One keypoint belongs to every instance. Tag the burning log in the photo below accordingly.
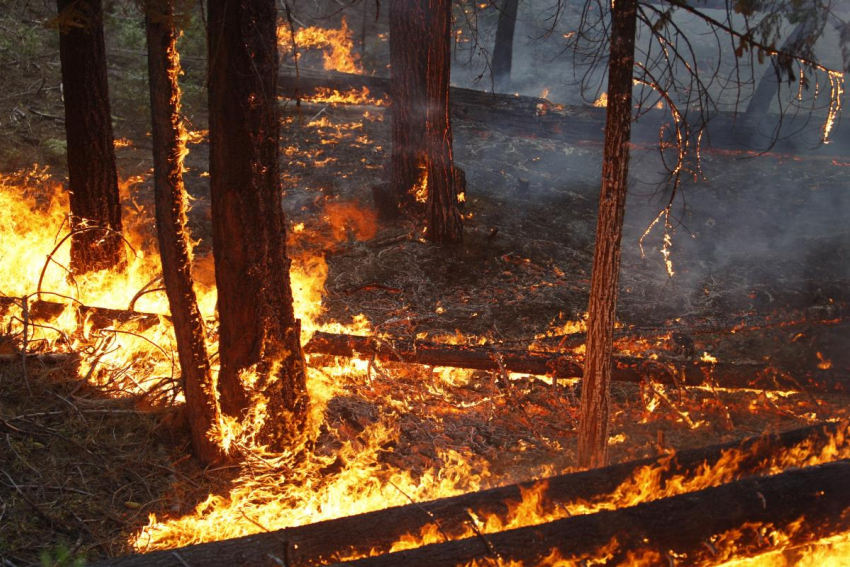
(699, 528)
(627, 368)
(449, 518)
(99, 317)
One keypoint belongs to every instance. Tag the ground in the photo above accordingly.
(83, 469)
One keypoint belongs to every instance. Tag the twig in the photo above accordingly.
(26, 315)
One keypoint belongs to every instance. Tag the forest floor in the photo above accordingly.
(82, 471)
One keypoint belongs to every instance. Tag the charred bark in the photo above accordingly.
(92, 176)
(328, 541)
(443, 224)
(170, 199)
(503, 49)
(657, 532)
(258, 330)
(604, 282)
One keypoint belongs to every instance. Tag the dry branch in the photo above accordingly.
(627, 368)
(328, 541)
(682, 527)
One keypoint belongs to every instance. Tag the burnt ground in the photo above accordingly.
(759, 235)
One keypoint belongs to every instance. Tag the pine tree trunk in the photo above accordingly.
(93, 181)
(258, 330)
(443, 222)
(169, 148)
(504, 47)
(595, 402)
(408, 92)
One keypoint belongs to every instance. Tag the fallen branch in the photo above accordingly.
(376, 532)
(626, 369)
(699, 528)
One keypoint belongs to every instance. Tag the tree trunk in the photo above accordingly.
(92, 177)
(322, 542)
(595, 402)
(169, 149)
(408, 90)
(422, 169)
(504, 47)
(259, 336)
(443, 223)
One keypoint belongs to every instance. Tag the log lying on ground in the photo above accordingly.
(626, 368)
(527, 116)
(99, 317)
(685, 527)
(332, 540)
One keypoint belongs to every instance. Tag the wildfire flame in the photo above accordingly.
(337, 45)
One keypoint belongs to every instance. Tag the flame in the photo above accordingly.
(836, 94)
(420, 190)
(324, 95)
(337, 45)
(825, 363)
(602, 101)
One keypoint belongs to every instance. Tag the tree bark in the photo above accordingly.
(328, 541)
(443, 224)
(258, 334)
(169, 149)
(595, 402)
(92, 176)
(681, 527)
(504, 47)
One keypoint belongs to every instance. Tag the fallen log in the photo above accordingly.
(376, 532)
(527, 116)
(699, 528)
(686, 372)
(99, 317)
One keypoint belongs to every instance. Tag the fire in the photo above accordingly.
(602, 101)
(825, 363)
(337, 46)
(325, 95)
(420, 190)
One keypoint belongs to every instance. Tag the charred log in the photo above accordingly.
(679, 527)
(537, 117)
(325, 542)
(626, 368)
(97, 317)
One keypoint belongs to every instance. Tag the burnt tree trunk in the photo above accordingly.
(258, 330)
(408, 91)
(169, 149)
(92, 177)
(595, 402)
(503, 49)
(443, 223)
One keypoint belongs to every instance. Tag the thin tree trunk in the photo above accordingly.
(92, 177)
(443, 222)
(595, 402)
(169, 149)
(503, 48)
(259, 335)
(408, 90)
